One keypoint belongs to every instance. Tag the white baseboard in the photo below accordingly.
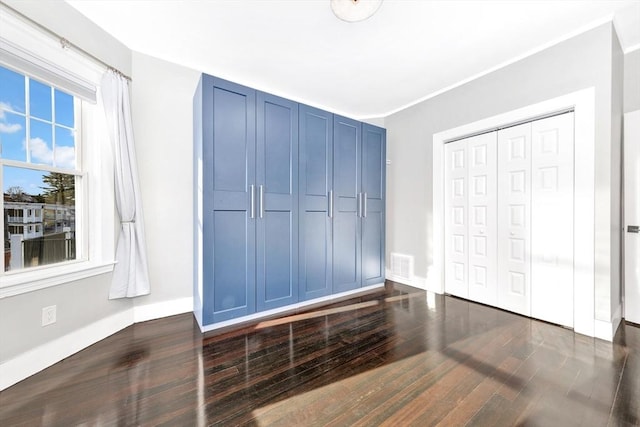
(607, 330)
(41, 357)
(158, 310)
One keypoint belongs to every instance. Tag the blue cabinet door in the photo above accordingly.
(277, 202)
(373, 204)
(315, 184)
(229, 149)
(347, 243)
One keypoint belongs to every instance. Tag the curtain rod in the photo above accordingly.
(64, 43)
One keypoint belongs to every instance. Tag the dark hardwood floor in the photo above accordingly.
(395, 357)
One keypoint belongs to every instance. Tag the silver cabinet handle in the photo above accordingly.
(261, 189)
(330, 203)
(364, 202)
(253, 202)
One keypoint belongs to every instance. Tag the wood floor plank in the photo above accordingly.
(391, 357)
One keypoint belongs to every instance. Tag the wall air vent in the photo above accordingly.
(402, 266)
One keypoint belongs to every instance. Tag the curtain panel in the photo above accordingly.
(130, 275)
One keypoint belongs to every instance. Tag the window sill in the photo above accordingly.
(29, 281)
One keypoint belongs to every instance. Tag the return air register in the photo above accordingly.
(402, 266)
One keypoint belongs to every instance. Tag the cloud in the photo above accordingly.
(6, 127)
(41, 153)
(9, 127)
(66, 157)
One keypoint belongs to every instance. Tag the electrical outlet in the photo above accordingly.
(48, 315)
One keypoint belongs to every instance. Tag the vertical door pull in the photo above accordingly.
(330, 203)
(364, 202)
(261, 189)
(252, 212)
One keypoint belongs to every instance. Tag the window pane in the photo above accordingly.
(39, 100)
(11, 90)
(65, 155)
(64, 108)
(39, 210)
(13, 133)
(40, 143)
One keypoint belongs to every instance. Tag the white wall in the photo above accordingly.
(578, 63)
(632, 81)
(162, 110)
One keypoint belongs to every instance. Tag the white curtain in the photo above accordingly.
(130, 275)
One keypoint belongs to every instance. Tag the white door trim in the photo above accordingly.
(583, 103)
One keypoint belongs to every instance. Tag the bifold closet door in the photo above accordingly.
(482, 229)
(535, 217)
(514, 219)
(456, 223)
(470, 219)
(509, 225)
(552, 222)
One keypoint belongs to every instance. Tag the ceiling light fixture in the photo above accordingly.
(355, 10)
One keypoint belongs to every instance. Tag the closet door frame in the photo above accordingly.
(582, 102)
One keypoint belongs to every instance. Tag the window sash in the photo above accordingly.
(80, 209)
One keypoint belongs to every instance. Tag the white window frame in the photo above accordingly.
(95, 208)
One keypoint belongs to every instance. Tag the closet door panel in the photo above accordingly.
(514, 219)
(276, 202)
(373, 206)
(229, 151)
(316, 181)
(482, 221)
(456, 219)
(552, 219)
(346, 200)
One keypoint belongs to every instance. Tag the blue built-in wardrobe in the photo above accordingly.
(288, 204)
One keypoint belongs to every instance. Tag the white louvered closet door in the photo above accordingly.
(456, 219)
(482, 230)
(514, 219)
(552, 219)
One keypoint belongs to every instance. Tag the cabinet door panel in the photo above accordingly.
(373, 190)
(373, 248)
(276, 202)
(315, 277)
(315, 154)
(229, 149)
(233, 264)
(347, 243)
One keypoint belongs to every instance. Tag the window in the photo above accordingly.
(55, 150)
(41, 170)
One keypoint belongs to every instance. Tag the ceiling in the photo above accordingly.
(408, 51)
